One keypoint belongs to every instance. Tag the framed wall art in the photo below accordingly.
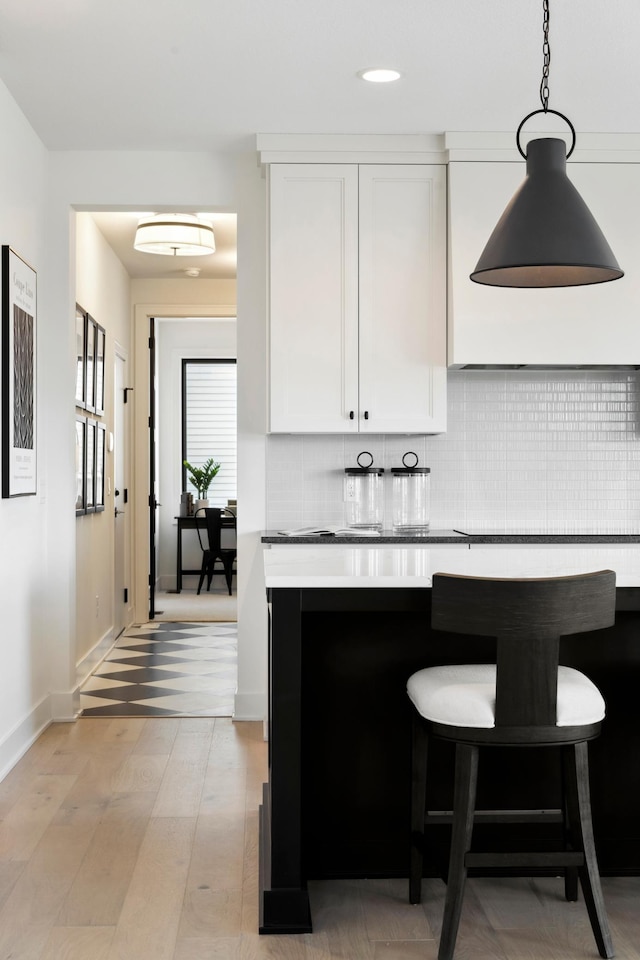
(81, 465)
(99, 369)
(90, 373)
(81, 349)
(101, 446)
(90, 473)
(19, 324)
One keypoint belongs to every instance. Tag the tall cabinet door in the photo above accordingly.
(313, 298)
(402, 299)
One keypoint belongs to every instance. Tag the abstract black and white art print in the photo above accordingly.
(19, 319)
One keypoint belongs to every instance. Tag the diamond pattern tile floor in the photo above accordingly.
(166, 670)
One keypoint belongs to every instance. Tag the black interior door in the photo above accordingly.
(152, 469)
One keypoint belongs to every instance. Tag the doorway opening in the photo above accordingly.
(194, 374)
(184, 667)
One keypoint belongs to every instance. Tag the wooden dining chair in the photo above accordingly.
(524, 699)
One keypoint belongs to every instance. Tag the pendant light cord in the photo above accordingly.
(546, 57)
(544, 87)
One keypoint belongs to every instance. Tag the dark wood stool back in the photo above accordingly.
(527, 618)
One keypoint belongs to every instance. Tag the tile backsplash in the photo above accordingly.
(555, 450)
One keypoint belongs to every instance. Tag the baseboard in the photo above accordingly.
(86, 666)
(65, 707)
(24, 735)
(249, 706)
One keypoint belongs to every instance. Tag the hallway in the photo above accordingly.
(136, 839)
(159, 669)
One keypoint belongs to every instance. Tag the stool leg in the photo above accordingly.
(570, 873)
(419, 747)
(579, 803)
(464, 801)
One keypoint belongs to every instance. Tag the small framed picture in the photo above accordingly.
(90, 459)
(81, 465)
(101, 446)
(99, 365)
(90, 366)
(19, 323)
(81, 349)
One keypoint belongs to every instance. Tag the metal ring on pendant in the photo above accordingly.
(557, 114)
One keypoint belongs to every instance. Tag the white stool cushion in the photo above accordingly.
(464, 695)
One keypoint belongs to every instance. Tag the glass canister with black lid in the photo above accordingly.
(411, 496)
(364, 494)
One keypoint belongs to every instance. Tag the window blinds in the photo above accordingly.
(209, 423)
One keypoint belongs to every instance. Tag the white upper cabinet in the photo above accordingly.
(313, 278)
(357, 298)
(402, 332)
(596, 324)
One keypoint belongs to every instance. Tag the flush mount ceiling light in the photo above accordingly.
(547, 236)
(379, 75)
(175, 235)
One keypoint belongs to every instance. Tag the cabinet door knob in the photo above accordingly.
(351, 414)
(366, 414)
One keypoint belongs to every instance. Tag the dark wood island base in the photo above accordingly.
(337, 801)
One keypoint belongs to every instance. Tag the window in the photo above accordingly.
(209, 424)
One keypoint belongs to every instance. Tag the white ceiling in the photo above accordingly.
(210, 74)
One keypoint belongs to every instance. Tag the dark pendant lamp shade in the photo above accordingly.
(547, 236)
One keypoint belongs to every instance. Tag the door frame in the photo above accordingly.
(121, 354)
(142, 313)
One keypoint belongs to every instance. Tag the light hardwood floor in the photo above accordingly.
(136, 839)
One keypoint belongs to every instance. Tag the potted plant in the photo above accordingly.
(201, 478)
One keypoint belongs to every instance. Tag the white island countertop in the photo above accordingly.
(413, 566)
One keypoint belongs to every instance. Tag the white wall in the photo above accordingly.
(103, 290)
(177, 340)
(25, 560)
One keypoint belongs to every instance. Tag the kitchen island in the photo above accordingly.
(348, 625)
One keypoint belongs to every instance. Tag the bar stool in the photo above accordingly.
(525, 699)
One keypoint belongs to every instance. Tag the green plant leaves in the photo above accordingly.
(201, 477)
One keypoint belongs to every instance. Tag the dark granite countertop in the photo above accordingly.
(459, 536)
(386, 537)
(537, 535)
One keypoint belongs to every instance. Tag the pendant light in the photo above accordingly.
(547, 236)
(175, 235)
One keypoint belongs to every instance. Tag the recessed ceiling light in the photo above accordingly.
(379, 75)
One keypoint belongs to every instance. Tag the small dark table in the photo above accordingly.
(190, 523)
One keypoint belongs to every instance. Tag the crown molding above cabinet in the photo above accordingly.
(434, 147)
(350, 148)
